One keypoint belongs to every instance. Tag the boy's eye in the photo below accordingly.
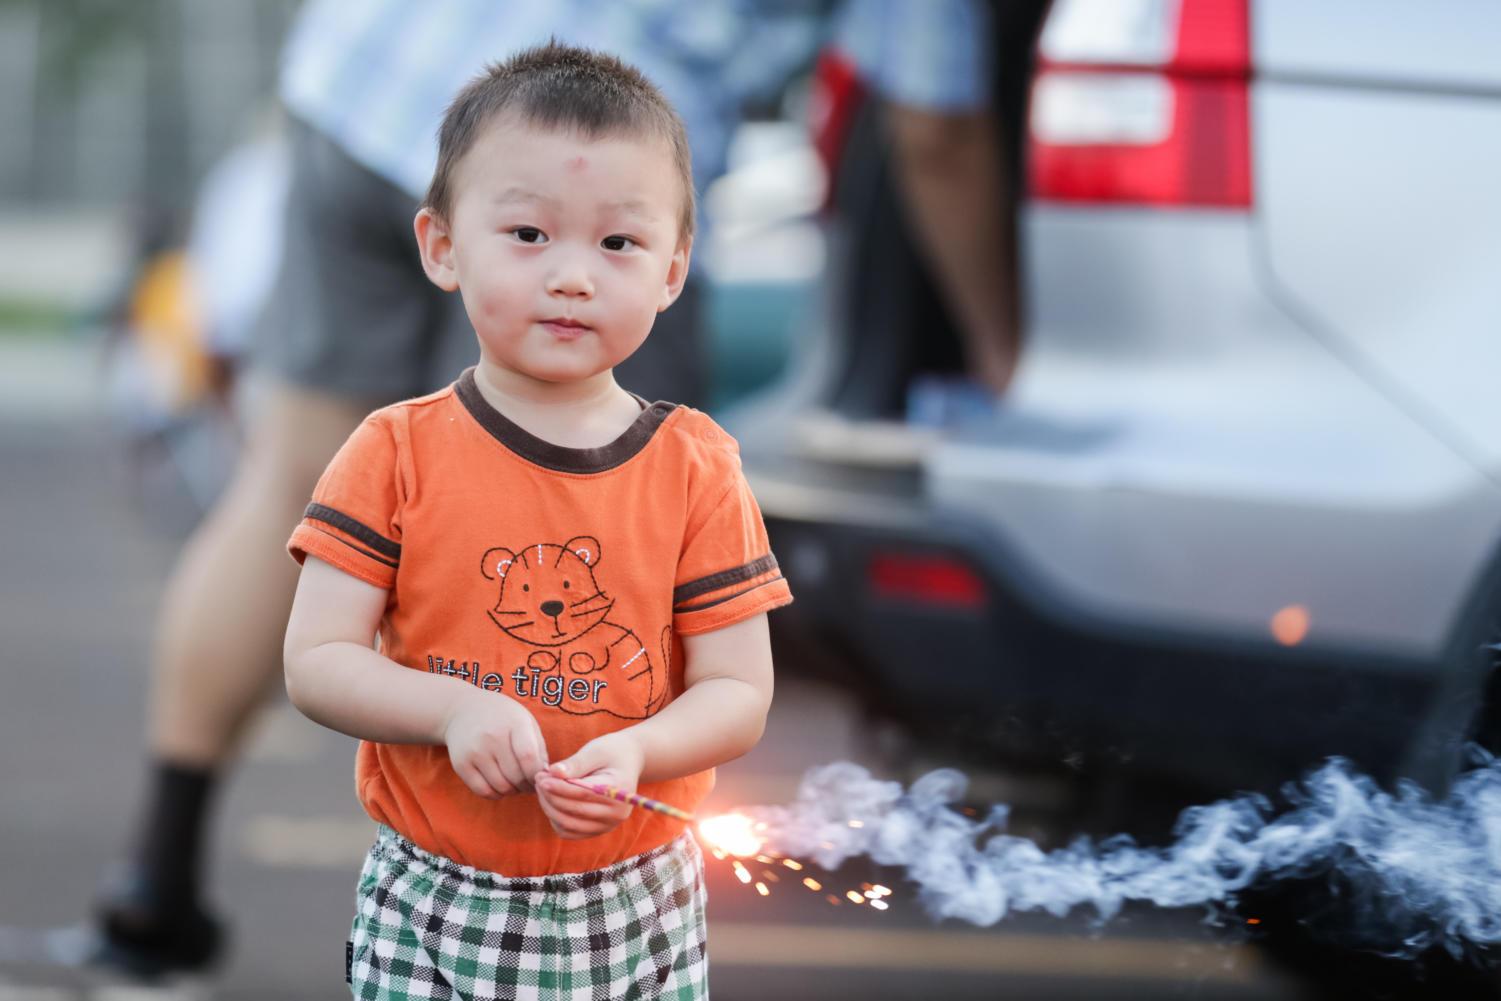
(616, 242)
(529, 234)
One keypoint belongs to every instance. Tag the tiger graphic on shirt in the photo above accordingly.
(552, 603)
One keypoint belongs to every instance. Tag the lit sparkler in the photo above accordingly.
(733, 836)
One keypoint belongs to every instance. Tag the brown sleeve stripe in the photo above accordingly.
(364, 552)
(728, 597)
(724, 578)
(349, 526)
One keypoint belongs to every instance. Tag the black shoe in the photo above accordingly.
(141, 938)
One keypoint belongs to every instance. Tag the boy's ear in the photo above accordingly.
(677, 274)
(437, 249)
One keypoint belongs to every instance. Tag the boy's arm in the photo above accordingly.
(722, 713)
(720, 716)
(335, 678)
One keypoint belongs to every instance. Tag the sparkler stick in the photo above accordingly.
(634, 799)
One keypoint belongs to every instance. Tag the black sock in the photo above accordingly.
(169, 852)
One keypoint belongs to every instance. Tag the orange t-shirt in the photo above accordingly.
(559, 577)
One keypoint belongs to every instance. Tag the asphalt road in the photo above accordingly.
(82, 561)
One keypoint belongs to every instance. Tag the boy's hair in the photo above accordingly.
(556, 86)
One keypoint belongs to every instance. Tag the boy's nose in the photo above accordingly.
(552, 608)
(570, 279)
(571, 290)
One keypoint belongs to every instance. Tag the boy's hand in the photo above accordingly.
(614, 759)
(494, 744)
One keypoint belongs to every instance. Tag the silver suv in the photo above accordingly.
(1242, 510)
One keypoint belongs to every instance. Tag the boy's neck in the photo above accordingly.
(584, 414)
(503, 388)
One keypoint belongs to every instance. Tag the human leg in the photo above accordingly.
(218, 658)
(225, 608)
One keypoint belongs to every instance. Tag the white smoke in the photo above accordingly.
(1428, 872)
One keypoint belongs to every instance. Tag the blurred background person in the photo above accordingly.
(351, 323)
(182, 322)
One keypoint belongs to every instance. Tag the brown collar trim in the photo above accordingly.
(559, 457)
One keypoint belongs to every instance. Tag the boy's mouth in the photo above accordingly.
(564, 326)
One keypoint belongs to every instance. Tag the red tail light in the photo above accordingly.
(836, 92)
(926, 579)
(1143, 102)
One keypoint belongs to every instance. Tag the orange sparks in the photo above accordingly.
(792, 864)
(741, 873)
(833, 900)
(762, 888)
(854, 897)
(1253, 921)
(770, 876)
(812, 884)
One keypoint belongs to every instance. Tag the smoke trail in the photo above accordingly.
(1426, 872)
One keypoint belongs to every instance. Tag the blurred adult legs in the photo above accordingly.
(225, 608)
(218, 657)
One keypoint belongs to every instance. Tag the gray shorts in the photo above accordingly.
(352, 313)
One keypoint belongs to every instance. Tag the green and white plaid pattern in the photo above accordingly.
(427, 927)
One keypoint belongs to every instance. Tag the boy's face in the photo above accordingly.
(564, 248)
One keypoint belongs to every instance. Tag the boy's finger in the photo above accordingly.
(587, 811)
(589, 758)
(561, 799)
(508, 766)
(471, 780)
(494, 775)
(577, 829)
(474, 780)
(563, 789)
(527, 748)
(561, 826)
(567, 792)
(567, 822)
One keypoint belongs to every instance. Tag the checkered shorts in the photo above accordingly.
(427, 927)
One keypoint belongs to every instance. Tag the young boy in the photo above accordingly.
(567, 582)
